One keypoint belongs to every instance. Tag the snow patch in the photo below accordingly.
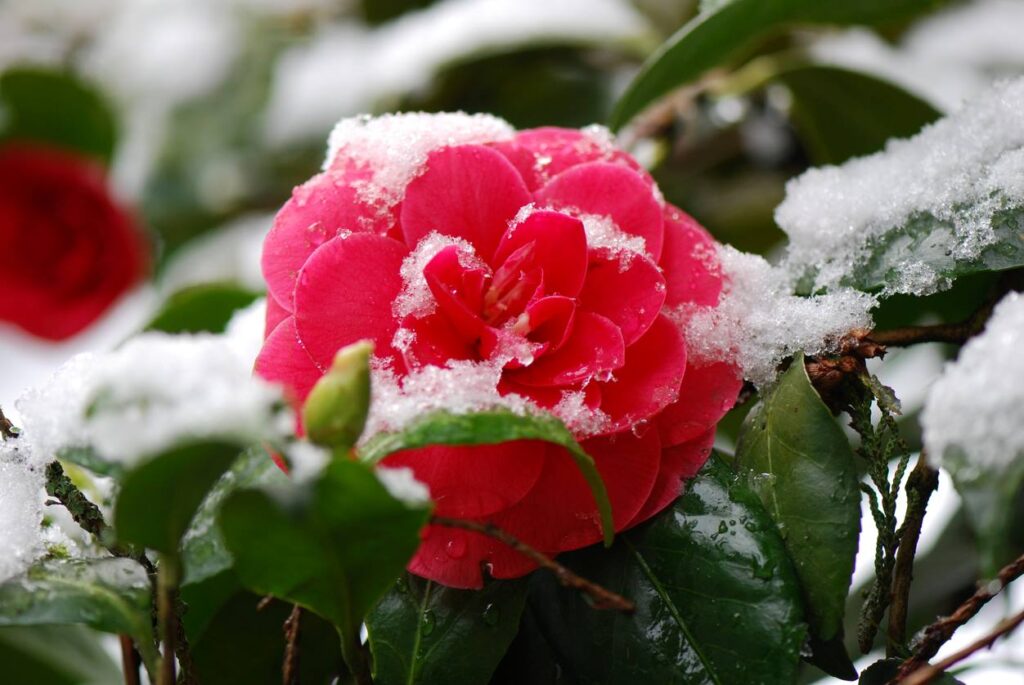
(401, 484)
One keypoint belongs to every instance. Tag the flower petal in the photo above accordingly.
(610, 190)
(470, 481)
(275, 315)
(283, 360)
(594, 348)
(431, 340)
(707, 393)
(650, 379)
(467, 191)
(344, 294)
(678, 463)
(560, 513)
(689, 261)
(560, 249)
(630, 294)
(318, 211)
(457, 558)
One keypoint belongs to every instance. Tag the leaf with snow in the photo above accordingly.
(972, 426)
(912, 218)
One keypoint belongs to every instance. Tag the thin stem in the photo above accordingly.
(181, 646)
(7, 429)
(290, 667)
(129, 660)
(928, 672)
(88, 516)
(167, 617)
(601, 597)
(938, 633)
(923, 481)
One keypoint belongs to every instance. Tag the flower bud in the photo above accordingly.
(335, 411)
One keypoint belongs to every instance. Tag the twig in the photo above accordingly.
(167, 619)
(181, 646)
(87, 515)
(290, 667)
(7, 429)
(955, 333)
(928, 672)
(923, 481)
(129, 660)
(938, 633)
(601, 597)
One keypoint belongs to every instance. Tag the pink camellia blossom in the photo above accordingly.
(543, 260)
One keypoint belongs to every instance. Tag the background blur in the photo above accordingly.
(207, 113)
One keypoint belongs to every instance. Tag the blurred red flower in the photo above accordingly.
(67, 249)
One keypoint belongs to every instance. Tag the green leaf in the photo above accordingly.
(928, 240)
(728, 28)
(111, 595)
(333, 546)
(243, 645)
(159, 497)
(203, 307)
(204, 554)
(55, 655)
(489, 428)
(795, 456)
(57, 108)
(717, 598)
(988, 496)
(842, 114)
(422, 632)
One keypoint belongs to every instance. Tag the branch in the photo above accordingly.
(129, 660)
(7, 429)
(601, 597)
(938, 633)
(927, 672)
(290, 667)
(88, 516)
(923, 481)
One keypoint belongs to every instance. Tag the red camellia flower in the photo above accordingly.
(67, 250)
(541, 263)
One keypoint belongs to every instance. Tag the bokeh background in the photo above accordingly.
(205, 114)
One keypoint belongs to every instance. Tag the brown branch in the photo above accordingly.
(129, 660)
(290, 667)
(601, 597)
(7, 429)
(938, 633)
(928, 672)
(167, 619)
(923, 481)
(955, 333)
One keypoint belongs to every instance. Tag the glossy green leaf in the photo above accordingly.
(55, 108)
(423, 632)
(842, 114)
(489, 428)
(795, 456)
(243, 645)
(204, 307)
(111, 595)
(55, 655)
(717, 35)
(717, 598)
(989, 497)
(204, 554)
(159, 497)
(334, 545)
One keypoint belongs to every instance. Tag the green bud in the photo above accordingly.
(335, 411)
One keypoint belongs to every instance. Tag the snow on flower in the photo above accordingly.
(401, 484)
(21, 509)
